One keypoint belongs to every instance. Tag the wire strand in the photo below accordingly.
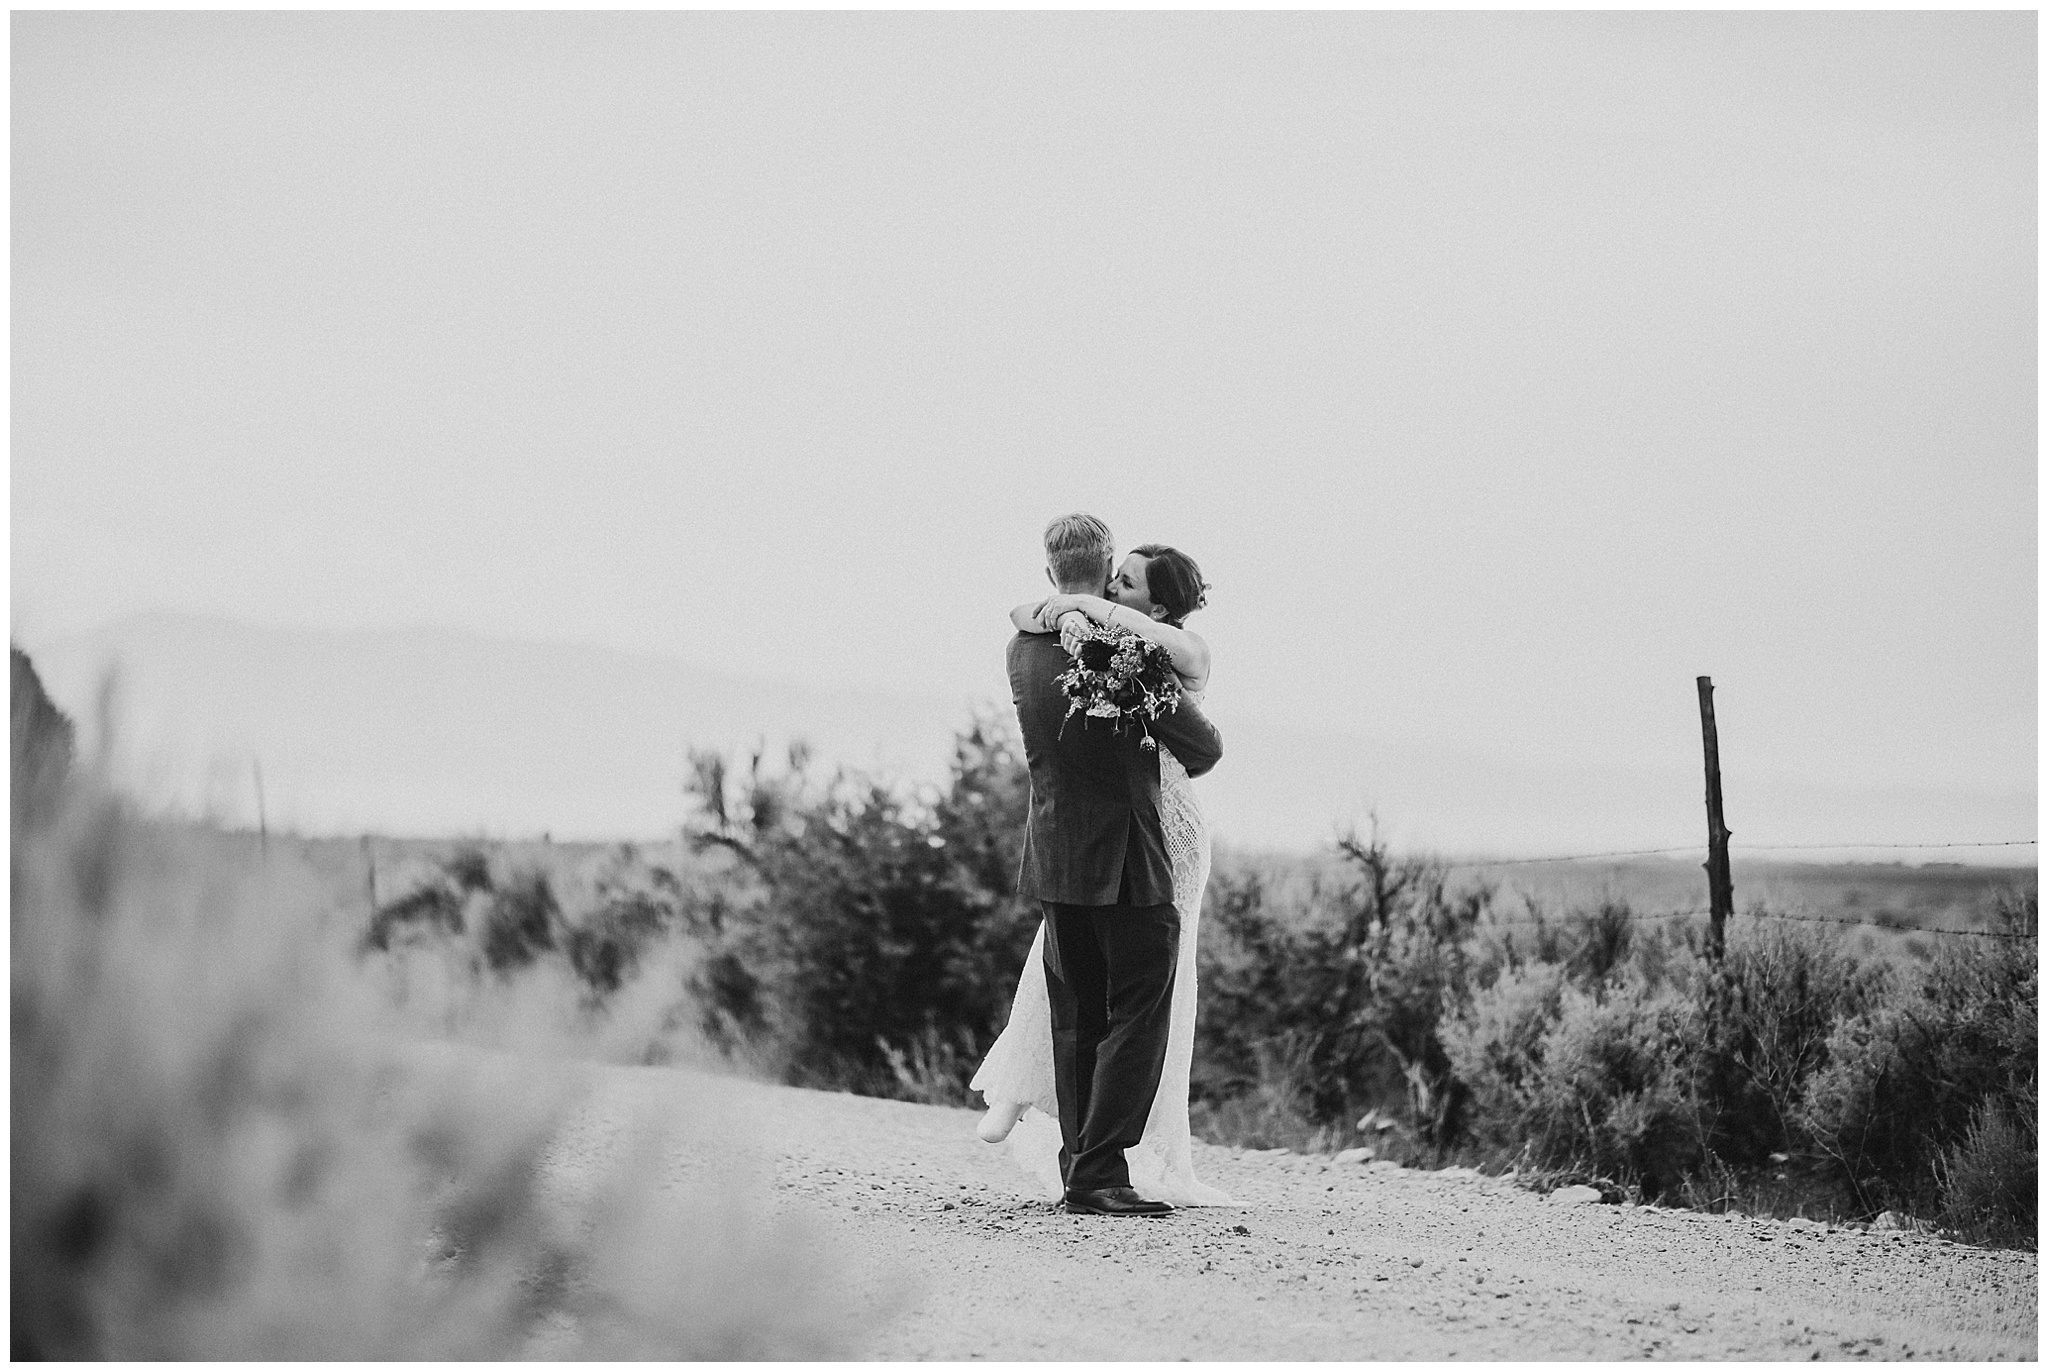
(1757, 847)
(1896, 928)
(1574, 857)
(1795, 919)
(1633, 915)
(1988, 843)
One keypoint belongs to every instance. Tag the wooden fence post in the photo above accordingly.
(1720, 888)
(370, 861)
(262, 821)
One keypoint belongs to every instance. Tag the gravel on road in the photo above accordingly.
(946, 1252)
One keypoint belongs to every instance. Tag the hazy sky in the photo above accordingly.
(1503, 371)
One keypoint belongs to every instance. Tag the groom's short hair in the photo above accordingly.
(1078, 549)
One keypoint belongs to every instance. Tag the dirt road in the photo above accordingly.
(940, 1242)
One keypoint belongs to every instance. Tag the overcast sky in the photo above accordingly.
(1503, 371)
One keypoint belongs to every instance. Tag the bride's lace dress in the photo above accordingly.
(1019, 1065)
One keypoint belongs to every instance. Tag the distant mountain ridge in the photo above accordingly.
(431, 732)
(424, 731)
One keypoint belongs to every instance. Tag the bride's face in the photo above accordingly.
(1129, 587)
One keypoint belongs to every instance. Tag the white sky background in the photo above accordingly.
(1504, 372)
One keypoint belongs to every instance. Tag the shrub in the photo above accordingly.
(1601, 945)
(879, 940)
(932, 1069)
(468, 869)
(1496, 1046)
(428, 914)
(1273, 1109)
(519, 923)
(515, 921)
(605, 947)
(642, 972)
(1907, 1077)
(734, 1009)
(1763, 1014)
(1589, 946)
(1987, 1181)
(1607, 1092)
(1343, 993)
(43, 743)
(435, 910)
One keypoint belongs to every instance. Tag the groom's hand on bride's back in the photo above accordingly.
(1192, 737)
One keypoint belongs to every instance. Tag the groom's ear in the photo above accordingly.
(1053, 579)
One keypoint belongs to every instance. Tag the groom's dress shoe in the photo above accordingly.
(1113, 1200)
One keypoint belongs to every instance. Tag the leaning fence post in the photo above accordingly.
(1720, 888)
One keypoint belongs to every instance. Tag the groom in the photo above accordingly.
(1095, 859)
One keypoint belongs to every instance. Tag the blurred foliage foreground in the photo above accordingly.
(219, 1150)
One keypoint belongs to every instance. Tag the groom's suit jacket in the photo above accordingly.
(1094, 817)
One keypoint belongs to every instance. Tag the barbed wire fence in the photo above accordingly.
(1894, 926)
(1756, 847)
(1720, 840)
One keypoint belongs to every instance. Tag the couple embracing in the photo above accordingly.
(1089, 1080)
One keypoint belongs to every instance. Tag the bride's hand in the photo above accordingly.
(1094, 606)
(1054, 608)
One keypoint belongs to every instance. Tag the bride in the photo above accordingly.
(1152, 595)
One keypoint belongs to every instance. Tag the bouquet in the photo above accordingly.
(1120, 677)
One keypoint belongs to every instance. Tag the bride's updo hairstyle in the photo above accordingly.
(1173, 581)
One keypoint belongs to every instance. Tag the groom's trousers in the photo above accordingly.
(1109, 975)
